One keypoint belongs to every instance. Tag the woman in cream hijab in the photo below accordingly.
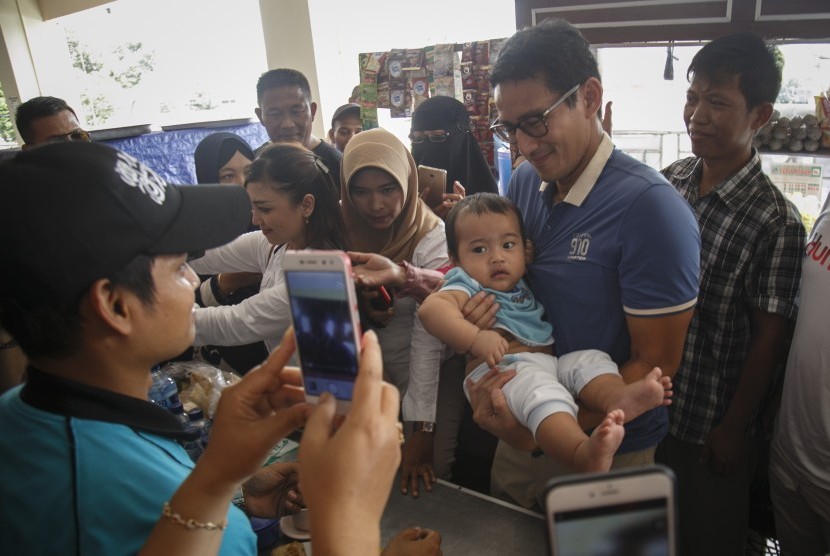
(383, 214)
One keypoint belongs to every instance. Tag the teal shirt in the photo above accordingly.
(73, 485)
(518, 311)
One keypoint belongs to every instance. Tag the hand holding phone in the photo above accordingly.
(436, 180)
(627, 511)
(326, 322)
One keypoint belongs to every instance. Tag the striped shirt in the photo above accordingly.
(752, 241)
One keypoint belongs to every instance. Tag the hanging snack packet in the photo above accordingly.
(419, 87)
(383, 95)
(468, 78)
(467, 50)
(373, 61)
(397, 99)
(395, 64)
(481, 53)
(413, 59)
(443, 58)
(470, 102)
(443, 86)
(429, 63)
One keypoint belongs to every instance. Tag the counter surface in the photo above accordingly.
(469, 522)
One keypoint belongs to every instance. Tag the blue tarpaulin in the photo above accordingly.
(170, 153)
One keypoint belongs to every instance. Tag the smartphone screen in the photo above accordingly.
(324, 331)
(640, 527)
(625, 511)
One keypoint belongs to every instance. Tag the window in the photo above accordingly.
(648, 112)
(154, 61)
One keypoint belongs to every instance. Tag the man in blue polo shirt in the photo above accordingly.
(616, 248)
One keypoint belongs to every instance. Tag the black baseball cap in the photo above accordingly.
(73, 213)
(344, 111)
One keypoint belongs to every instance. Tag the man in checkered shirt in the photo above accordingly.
(752, 242)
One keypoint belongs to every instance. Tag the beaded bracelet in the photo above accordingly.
(192, 523)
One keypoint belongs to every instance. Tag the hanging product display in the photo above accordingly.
(401, 79)
(371, 64)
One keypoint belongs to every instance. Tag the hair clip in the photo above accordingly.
(321, 165)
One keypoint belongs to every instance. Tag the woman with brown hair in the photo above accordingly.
(295, 206)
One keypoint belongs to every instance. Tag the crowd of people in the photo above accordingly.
(601, 315)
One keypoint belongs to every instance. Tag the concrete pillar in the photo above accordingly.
(289, 43)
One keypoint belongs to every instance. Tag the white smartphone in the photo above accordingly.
(629, 511)
(436, 180)
(326, 322)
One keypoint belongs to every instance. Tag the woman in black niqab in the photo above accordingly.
(460, 154)
(215, 152)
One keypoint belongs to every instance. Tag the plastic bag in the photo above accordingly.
(200, 383)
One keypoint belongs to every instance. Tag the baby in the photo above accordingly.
(485, 238)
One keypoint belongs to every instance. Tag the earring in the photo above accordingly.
(306, 219)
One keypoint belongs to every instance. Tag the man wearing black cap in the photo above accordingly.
(96, 291)
(345, 124)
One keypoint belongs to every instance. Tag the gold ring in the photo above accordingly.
(399, 429)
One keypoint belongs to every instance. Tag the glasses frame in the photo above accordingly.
(507, 131)
(432, 138)
(77, 136)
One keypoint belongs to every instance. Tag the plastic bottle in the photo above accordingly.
(197, 419)
(163, 391)
(192, 447)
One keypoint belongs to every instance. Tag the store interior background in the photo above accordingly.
(173, 62)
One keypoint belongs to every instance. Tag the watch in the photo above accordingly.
(423, 426)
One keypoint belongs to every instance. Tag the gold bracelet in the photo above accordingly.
(192, 523)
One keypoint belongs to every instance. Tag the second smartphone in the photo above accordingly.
(627, 511)
(326, 322)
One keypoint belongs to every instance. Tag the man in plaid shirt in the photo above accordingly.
(752, 242)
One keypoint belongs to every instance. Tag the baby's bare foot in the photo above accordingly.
(597, 452)
(654, 390)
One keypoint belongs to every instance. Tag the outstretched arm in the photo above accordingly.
(252, 416)
(372, 269)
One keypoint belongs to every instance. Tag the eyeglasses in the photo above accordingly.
(419, 137)
(534, 126)
(79, 135)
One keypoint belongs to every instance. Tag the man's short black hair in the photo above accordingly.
(554, 51)
(477, 205)
(283, 77)
(34, 109)
(743, 54)
(54, 329)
